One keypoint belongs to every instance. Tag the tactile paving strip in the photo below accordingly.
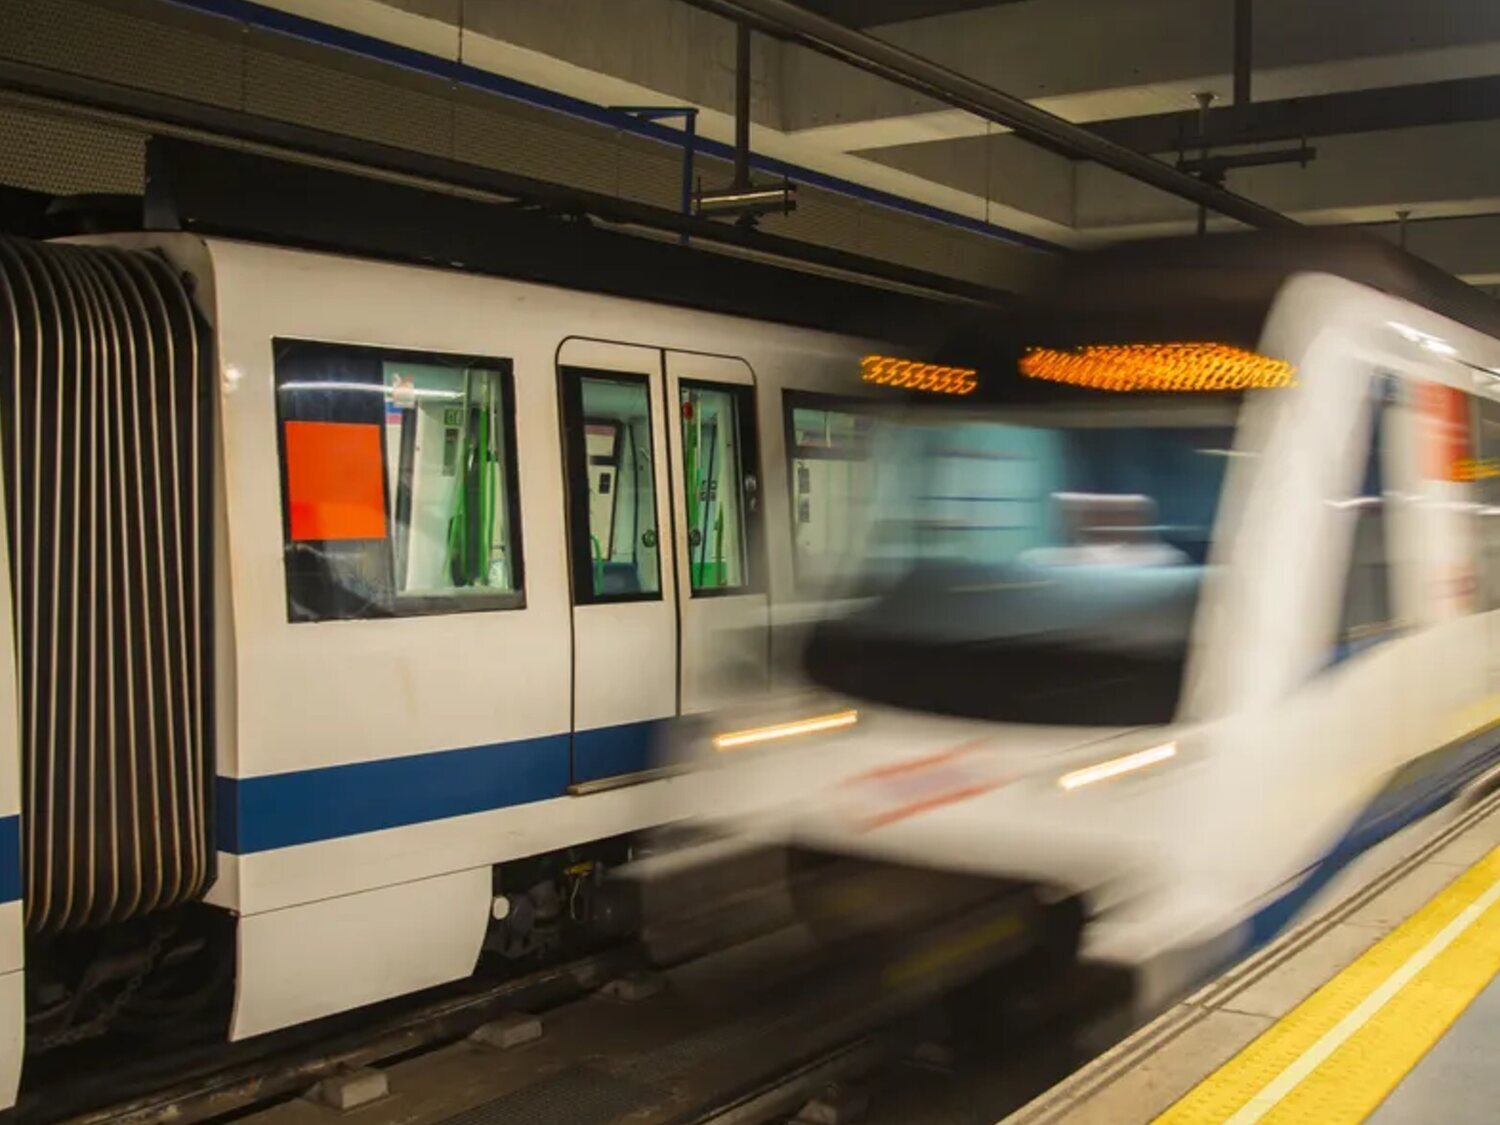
(1337, 1055)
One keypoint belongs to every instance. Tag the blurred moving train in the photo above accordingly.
(1213, 605)
(347, 594)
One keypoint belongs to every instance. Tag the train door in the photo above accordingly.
(624, 576)
(723, 602)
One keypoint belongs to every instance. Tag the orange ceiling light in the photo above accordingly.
(1158, 367)
(908, 374)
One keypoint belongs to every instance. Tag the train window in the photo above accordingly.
(1367, 614)
(611, 487)
(1487, 484)
(832, 480)
(718, 457)
(398, 482)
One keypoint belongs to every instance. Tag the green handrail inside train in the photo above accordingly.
(706, 572)
(471, 530)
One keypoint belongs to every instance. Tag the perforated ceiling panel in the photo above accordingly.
(165, 48)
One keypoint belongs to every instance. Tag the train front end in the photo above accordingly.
(1011, 705)
(1026, 699)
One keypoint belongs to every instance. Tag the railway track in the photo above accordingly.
(749, 1035)
(230, 1079)
(749, 1032)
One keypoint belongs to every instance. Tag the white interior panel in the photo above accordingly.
(309, 961)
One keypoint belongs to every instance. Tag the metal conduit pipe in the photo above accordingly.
(742, 106)
(1244, 30)
(808, 29)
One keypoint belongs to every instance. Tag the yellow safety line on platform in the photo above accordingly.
(1335, 1057)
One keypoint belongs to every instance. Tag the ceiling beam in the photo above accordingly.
(159, 114)
(1466, 246)
(874, 13)
(1324, 115)
(875, 56)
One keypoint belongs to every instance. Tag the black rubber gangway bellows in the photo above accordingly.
(106, 436)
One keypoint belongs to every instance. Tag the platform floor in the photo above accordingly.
(1383, 1007)
(1459, 1076)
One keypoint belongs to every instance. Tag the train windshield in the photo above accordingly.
(1035, 569)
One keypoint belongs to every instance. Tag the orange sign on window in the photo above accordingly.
(334, 481)
(1445, 413)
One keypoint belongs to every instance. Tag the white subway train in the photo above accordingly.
(347, 596)
(1170, 654)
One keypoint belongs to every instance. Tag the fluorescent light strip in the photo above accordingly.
(735, 740)
(370, 388)
(1115, 767)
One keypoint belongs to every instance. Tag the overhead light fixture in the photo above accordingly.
(780, 199)
(369, 388)
(910, 375)
(1173, 367)
(739, 739)
(1118, 767)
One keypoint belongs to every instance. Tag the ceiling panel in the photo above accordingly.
(869, 13)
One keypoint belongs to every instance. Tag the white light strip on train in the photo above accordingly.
(1115, 767)
(736, 740)
(370, 388)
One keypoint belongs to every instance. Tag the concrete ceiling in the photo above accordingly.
(1401, 100)
(872, 13)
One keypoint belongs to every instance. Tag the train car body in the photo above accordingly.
(1176, 656)
(349, 597)
(375, 768)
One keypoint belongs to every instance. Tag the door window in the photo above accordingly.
(611, 487)
(1485, 473)
(832, 479)
(720, 484)
(398, 482)
(1368, 602)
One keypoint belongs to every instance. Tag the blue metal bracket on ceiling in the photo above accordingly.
(459, 73)
(689, 115)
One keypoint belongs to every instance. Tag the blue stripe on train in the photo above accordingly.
(612, 751)
(1417, 789)
(10, 858)
(256, 814)
(280, 810)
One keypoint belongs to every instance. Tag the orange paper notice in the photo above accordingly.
(334, 483)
